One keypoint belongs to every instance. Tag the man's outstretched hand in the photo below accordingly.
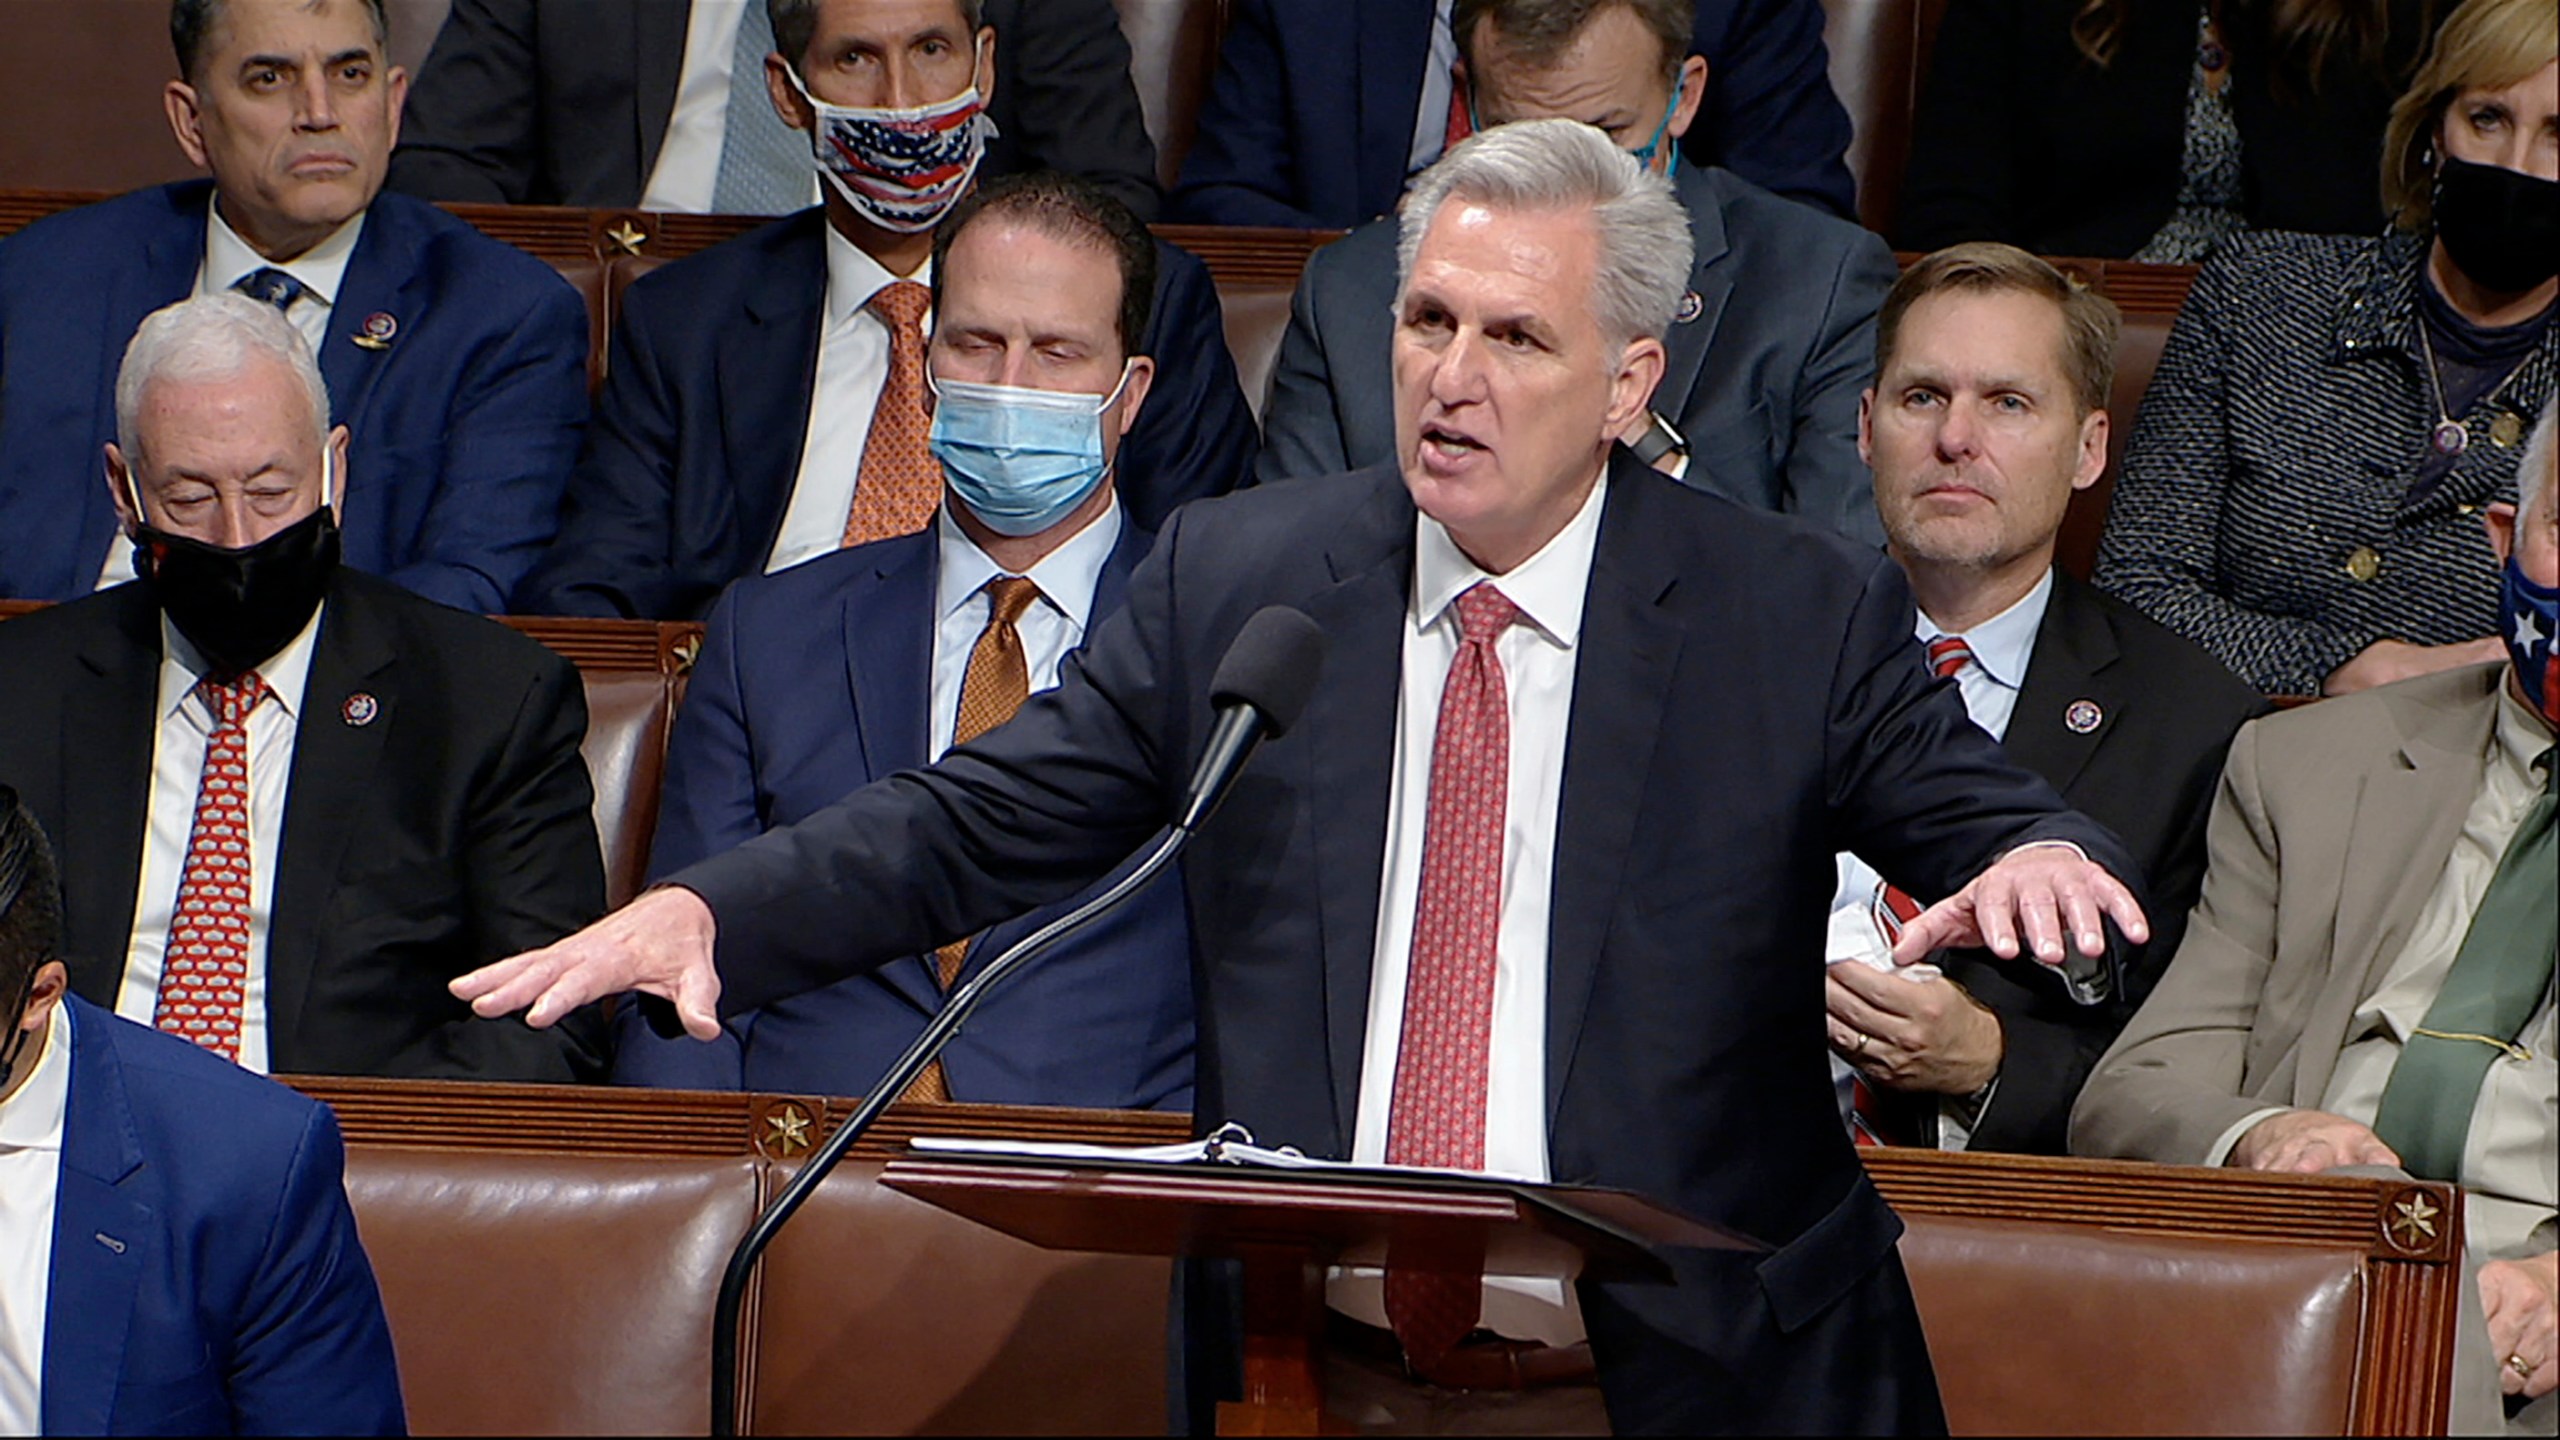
(659, 944)
(2036, 899)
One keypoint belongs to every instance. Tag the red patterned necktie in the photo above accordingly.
(204, 968)
(1442, 1058)
(899, 481)
(1870, 1122)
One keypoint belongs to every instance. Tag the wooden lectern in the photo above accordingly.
(1286, 1226)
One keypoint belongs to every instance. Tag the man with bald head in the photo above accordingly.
(290, 799)
(1533, 887)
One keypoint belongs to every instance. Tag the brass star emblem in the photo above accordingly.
(2413, 1221)
(787, 1130)
(627, 237)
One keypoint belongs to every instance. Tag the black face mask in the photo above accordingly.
(2501, 227)
(239, 607)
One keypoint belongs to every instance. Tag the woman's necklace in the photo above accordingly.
(2450, 437)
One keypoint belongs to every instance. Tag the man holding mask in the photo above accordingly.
(766, 399)
(406, 778)
(819, 679)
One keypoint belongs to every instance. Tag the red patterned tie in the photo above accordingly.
(1437, 1116)
(1870, 1122)
(899, 481)
(204, 968)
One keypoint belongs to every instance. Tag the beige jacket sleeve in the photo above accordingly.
(2171, 1085)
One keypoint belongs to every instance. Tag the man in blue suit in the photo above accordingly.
(819, 679)
(176, 1252)
(1324, 110)
(1771, 345)
(459, 362)
(760, 393)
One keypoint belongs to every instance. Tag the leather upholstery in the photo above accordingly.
(2135, 1334)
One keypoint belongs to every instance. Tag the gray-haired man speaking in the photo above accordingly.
(1536, 885)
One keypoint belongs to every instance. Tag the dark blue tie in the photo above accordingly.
(273, 286)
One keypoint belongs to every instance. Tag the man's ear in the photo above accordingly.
(2094, 428)
(1640, 369)
(186, 121)
(123, 490)
(1133, 394)
(783, 88)
(986, 76)
(2499, 519)
(1867, 426)
(1693, 93)
(335, 496)
(398, 80)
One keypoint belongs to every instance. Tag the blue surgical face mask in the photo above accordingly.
(1020, 459)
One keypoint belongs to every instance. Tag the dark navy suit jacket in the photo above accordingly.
(1311, 117)
(1762, 374)
(1686, 1057)
(696, 443)
(812, 683)
(464, 427)
(207, 1277)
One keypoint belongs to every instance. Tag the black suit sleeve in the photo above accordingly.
(1195, 436)
(610, 559)
(1770, 113)
(1962, 180)
(471, 130)
(533, 871)
(1064, 100)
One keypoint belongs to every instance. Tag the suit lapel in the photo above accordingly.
(382, 279)
(1695, 327)
(2074, 648)
(333, 766)
(1351, 729)
(1394, 46)
(655, 32)
(109, 735)
(888, 656)
(768, 370)
(1621, 685)
(2408, 813)
(101, 1241)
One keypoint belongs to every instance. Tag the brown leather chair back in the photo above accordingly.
(960, 1328)
(2150, 297)
(1872, 43)
(1173, 55)
(550, 1294)
(2034, 1338)
(634, 675)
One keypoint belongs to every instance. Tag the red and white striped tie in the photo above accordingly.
(204, 967)
(1443, 1057)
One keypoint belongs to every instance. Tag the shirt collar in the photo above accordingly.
(32, 1118)
(1066, 576)
(287, 672)
(322, 268)
(2003, 644)
(853, 277)
(2521, 737)
(1548, 587)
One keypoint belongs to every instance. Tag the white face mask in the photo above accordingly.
(902, 170)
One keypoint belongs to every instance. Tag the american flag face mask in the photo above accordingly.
(901, 169)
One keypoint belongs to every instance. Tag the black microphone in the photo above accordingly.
(1261, 688)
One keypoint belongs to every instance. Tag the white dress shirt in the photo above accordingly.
(227, 259)
(30, 1178)
(1431, 116)
(1053, 625)
(2002, 646)
(185, 725)
(688, 168)
(853, 363)
(1537, 658)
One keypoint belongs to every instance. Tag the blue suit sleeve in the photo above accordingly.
(313, 1355)
(509, 444)
(611, 557)
(1238, 171)
(706, 806)
(1826, 482)
(1770, 114)
(1195, 436)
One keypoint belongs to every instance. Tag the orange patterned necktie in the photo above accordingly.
(1443, 1060)
(997, 682)
(204, 967)
(900, 482)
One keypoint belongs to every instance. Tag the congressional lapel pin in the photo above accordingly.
(2083, 716)
(1692, 305)
(360, 709)
(378, 329)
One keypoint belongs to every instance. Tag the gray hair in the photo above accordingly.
(214, 337)
(795, 24)
(2533, 472)
(1645, 249)
(192, 23)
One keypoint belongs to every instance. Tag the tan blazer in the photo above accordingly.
(2332, 827)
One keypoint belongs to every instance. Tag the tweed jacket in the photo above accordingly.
(2265, 510)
